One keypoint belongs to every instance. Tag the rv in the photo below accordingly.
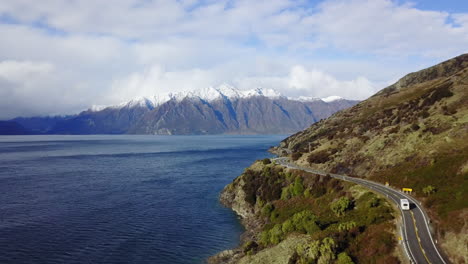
(404, 203)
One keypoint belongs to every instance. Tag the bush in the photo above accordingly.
(272, 236)
(250, 247)
(266, 161)
(319, 157)
(296, 155)
(305, 222)
(265, 186)
(267, 209)
(320, 252)
(346, 226)
(343, 258)
(428, 190)
(374, 202)
(298, 188)
(415, 127)
(293, 190)
(340, 206)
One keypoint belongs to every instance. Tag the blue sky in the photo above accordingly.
(60, 56)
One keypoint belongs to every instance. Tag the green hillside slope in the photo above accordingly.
(412, 134)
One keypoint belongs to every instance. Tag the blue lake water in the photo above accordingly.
(120, 199)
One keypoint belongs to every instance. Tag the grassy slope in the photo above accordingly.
(293, 211)
(411, 134)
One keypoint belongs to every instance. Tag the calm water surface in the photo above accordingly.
(119, 199)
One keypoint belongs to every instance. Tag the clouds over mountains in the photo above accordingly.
(62, 56)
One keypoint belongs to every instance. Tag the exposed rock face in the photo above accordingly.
(256, 114)
(253, 115)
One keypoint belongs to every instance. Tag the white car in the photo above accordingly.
(404, 203)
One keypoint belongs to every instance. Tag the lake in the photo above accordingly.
(120, 198)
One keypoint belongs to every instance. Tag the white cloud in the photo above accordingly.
(81, 53)
(19, 81)
(320, 84)
(156, 80)
(385, 27)
(16, 71)
(298, 81)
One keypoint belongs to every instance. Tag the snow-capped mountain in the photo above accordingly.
(213, 110)
(210, 94)
(207, 94)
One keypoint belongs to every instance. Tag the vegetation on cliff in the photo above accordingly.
(310, 218)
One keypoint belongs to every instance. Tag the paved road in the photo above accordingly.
(419, 244)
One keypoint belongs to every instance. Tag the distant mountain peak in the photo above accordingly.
(209, 94)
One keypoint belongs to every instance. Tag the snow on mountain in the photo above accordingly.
(332, 98)
(305, 99)
(97, 108)
(224, 91)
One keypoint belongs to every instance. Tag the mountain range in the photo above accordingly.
(214, 110)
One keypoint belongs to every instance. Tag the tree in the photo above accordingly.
(340, 206)
(298, 188)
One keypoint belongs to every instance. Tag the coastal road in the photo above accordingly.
(419, 245)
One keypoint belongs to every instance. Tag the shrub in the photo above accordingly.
(287, 226)
(298, 188)
(319, 157)
(428, 190)
(343, 258)
(346, 226)
(340, 206)
(296, 155)
(415, 127)
(305, 222)
(266, 161)
(267, 209)
(425, 114)
(374, 202)
(276, 234)
(272, 236)
(322, 252)
(292, 190)
(440, 92)
(250, 247)
(309, 252)
(265, 186)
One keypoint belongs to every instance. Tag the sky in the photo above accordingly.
(63, 56)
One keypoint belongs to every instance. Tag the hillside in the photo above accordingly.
(294, 217)
(12, 128)
(411, 134)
